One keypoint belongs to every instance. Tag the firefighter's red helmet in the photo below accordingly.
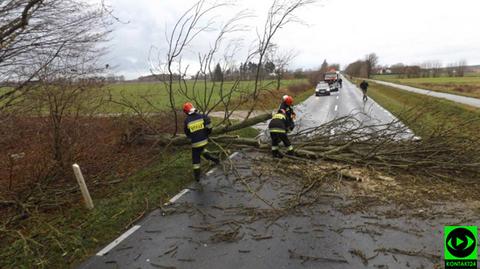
(188, 108)
(288, 100)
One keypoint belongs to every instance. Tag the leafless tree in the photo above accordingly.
(357, 69)
(281, 60)
(451, 69)
(186, 29)
(201, 89)
(426, 69)
(280, 14)
(35, 33)
(371, 61)
(437, 68)
(61, 99)
(50, 53)
(461, 67)
(397, 68)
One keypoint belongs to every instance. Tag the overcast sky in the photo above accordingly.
(341, 31)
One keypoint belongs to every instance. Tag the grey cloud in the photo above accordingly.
(342, 31)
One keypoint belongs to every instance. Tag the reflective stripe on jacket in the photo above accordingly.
(278, 124)
(197, 127)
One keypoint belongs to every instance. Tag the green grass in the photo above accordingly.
(466, 86)
(157, 94)
(71, 234)
(303, 96)
(153, 96)
(426, 115)
(385, 77)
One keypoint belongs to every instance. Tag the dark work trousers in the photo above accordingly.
(280, 137)
(197, 153)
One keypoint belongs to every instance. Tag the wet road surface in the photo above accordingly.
(239, 220)
(348, 101)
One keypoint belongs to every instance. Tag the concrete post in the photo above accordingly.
(83, 186)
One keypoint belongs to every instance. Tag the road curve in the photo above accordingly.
(475, 102)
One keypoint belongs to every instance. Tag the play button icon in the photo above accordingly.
(461, 242)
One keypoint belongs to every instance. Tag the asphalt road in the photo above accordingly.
(234, 223)
(230, 222)
(348, 101)
(475, 102)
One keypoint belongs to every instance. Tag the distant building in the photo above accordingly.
(473, 69)
(383, 71)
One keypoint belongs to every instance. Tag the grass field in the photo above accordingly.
(466, 86)
(156, 93)
(425, 114)
(57, 239)
(153, 96)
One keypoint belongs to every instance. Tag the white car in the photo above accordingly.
(322, 89)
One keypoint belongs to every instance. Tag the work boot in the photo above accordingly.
(197, 173)
(277, 154)
(208, 156)
(290, 153)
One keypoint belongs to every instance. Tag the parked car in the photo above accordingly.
(322, 89)
(334, 86)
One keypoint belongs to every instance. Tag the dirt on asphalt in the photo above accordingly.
(260, 212)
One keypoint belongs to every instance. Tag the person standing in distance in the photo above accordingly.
(364, 87)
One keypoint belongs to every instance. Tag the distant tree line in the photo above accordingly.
(317, 75)
(363, 68)
(369, 66)
(428, 69)
(244, 71)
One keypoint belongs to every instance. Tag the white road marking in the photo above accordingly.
(337, 97)
(118, 240)
(176, 197)
(336, 107)
(211, 171)
(233, 155)
(215, 169)
(184, 191)
(136, 227)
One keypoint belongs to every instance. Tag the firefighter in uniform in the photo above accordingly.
(278, 133)
(198, 127)
(286, 105)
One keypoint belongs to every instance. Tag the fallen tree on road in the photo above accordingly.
(389, 147)
(166, 139)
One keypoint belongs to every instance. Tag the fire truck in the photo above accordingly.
(331, 77)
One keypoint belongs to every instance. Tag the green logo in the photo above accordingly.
(460, 247)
